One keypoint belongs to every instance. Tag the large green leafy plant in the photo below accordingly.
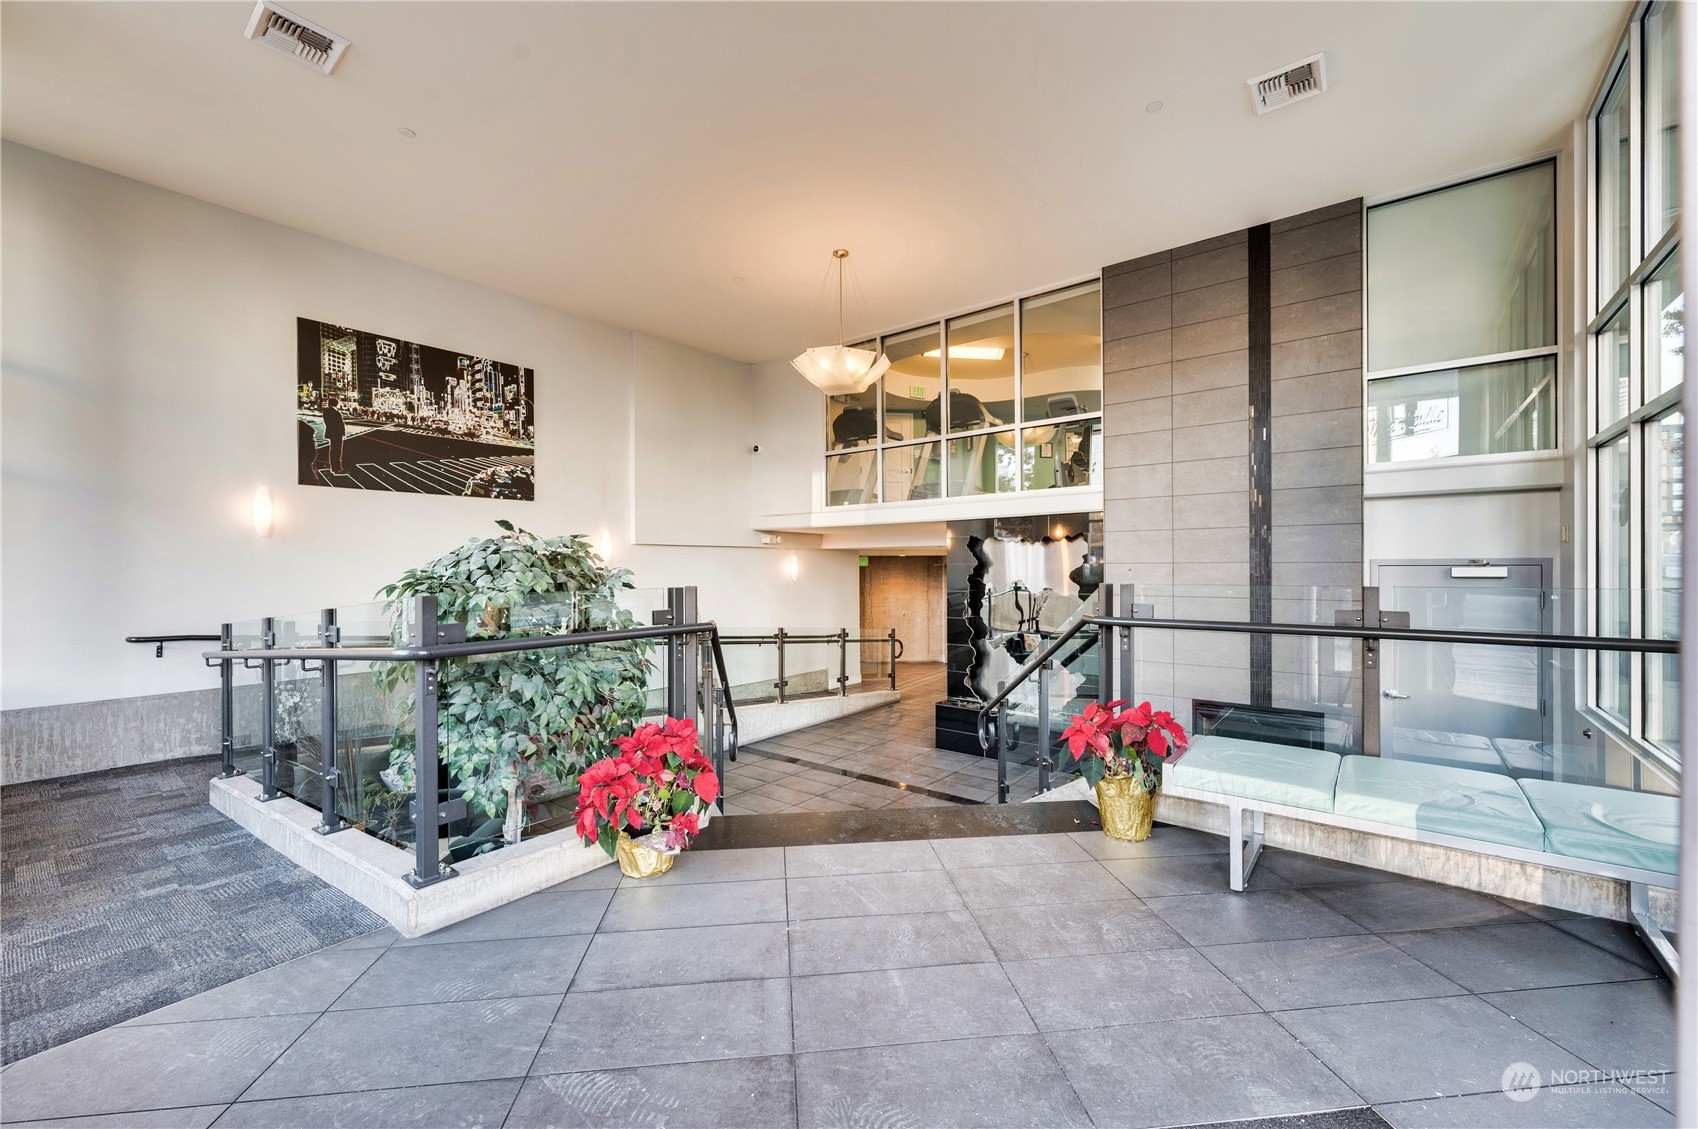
(514, 724)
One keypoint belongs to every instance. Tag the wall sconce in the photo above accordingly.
(262, 512)
(604, 545)
(793, 566)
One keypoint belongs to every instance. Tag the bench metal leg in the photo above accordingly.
(1639, 904)
(1244, 854)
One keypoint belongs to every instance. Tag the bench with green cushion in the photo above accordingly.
(1446, 801)
(1612, 825)
(1257, 770)
(1575, 826)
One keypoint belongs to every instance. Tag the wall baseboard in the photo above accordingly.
(44, 742)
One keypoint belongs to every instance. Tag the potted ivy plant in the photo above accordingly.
(645, 805)
(1120, 750)
(519, 728)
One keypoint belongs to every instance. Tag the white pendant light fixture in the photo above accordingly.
(838, 370)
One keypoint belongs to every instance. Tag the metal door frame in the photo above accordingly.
(1546, 567)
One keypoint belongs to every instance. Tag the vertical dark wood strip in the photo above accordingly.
(1261, 461)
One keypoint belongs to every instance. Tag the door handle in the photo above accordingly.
(1393, 696)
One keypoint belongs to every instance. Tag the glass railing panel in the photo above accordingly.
(640, 604)
(297, 715)
(247, 699)
(1281, 689)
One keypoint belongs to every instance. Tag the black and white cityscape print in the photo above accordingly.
(379, 413)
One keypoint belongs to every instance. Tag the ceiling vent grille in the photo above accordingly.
(1293, 83)
(282, 30)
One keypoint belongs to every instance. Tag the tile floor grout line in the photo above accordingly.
(1551, 1039)
(344, 1093)
(790, 989)
(555, 1018)
(884, 782)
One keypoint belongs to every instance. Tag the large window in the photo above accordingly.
(1462, 334)
(1637, 433)
(1003, 400)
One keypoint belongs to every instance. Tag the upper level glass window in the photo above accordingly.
(1463, 272)
(1637, 370)
(913, 385)
(1462, 334)
(981, 370)
(978, 379)
(1061, 343)
(1661, 139)
(1611, 187)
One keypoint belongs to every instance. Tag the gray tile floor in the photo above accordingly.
(808, 770)
(1044, 980)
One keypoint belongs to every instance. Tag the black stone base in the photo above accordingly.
(958, 726)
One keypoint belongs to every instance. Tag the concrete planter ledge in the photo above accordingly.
(771, 719)
(373, 872)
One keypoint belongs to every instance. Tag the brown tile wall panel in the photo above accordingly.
(1316, 414)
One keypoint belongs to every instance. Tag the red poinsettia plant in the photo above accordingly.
(659, 785)
(1119, 740)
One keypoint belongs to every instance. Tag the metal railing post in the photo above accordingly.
(683, 653)
(893, 658)
(779, 638)
(329, 821)
(843, 663)
(1043, 726)
(268, 714)
(1123, 659)
(1107, 637)
(1001, 750)
(227, 703)
(715, 727)
(427, 811)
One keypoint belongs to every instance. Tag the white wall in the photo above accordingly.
(1463, 527)
(148, 359)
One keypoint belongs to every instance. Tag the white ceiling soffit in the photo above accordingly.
(627, 161)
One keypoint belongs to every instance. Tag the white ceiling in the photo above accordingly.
(625, 161)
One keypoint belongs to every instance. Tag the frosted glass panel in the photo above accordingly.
(1463, 272)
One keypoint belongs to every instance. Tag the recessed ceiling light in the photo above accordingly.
(1153, 108)
(405, 132)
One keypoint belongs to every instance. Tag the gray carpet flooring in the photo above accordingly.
(124, 891)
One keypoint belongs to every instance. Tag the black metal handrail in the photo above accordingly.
(1319, 630)
(1412, 634)
(159, 641)
(842, 638)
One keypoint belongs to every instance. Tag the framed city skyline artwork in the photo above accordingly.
(375, 412)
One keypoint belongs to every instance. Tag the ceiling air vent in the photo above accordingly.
(1289, 84)
(283, 30)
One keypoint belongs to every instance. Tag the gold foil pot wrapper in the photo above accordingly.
(1126, 809)
(639, 861)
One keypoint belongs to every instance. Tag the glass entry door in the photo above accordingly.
(1465, 705)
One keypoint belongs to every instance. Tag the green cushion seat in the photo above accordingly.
(1613, 825)
(1446, 801)
(1257, 770)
